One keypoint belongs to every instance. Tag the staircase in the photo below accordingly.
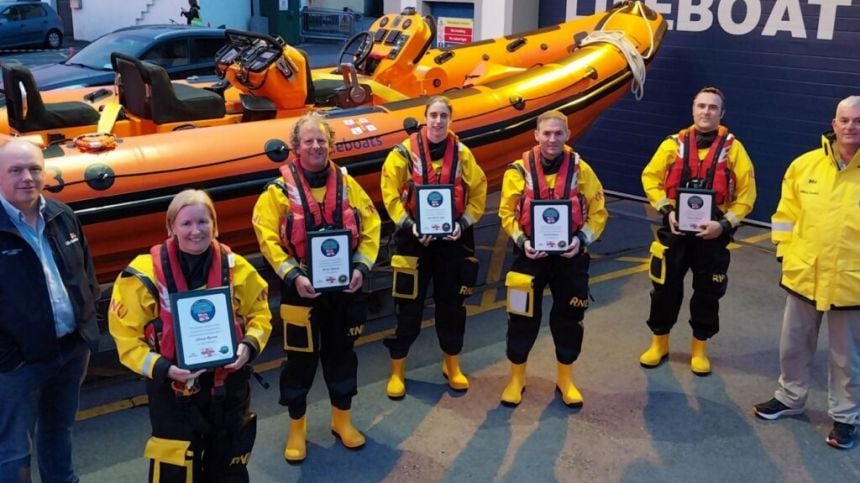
(143, 13)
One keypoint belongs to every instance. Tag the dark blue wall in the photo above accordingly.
(781, 90)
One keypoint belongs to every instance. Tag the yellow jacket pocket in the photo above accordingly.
(297, 328)
(520, 299)
(405, 283)
(170, 451)
(657, 267)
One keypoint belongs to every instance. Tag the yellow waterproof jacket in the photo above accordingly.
(513, 186)
(273, 205)
(395, 172)
(654, 177)
(133, 306)
(817, 229)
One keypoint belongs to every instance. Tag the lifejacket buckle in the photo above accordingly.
(187, 389)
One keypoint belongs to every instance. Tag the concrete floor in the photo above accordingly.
(663, 424)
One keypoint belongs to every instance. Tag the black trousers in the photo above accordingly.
(452, 268)
(336, 321)
(709, 262)
(568, 281)
(217, 430)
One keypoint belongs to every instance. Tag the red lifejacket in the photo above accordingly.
(566, 187)
(714, 169)
(335, 212)
(170, 279)
(421, 167)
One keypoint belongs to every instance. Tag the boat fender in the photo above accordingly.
(95, 142)
(410, 125)
(276, 150)
(517, 102)
(99, 176)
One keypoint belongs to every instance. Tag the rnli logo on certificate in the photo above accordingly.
(695, 202)
(550, 216)
(202, 311)
(330, 247)
(434, 199)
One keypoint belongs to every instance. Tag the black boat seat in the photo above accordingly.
(27, 112)
(146, 91)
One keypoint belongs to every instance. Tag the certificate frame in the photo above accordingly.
(694, 206)
(203, 326)
(435, 221)
(552, 241)
(329, 273)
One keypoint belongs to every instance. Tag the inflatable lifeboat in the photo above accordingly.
(117, 156)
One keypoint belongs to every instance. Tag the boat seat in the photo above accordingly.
(146, 91)
(27, 112)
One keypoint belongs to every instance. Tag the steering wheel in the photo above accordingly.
(356, 50)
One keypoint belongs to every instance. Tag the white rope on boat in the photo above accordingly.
(634, 59)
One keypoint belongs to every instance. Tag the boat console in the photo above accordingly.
(391, 49)
(260, 66)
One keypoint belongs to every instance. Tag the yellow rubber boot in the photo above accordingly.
(396, 387)
(564, 384)
(343, 429)
(699, 363)
(657, 352)
(513, 393)
(451, 370)
(295, 448)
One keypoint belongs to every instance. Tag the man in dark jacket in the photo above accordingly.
(48, 325)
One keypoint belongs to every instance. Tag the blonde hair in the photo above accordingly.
(315, 118)
(187, 198)
(554, 114)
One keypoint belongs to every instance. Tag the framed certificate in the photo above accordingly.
(329, 260)
(551, 225)
(434, 208)
(694, 207)
(203, 326)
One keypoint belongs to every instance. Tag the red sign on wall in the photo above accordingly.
(455, 31)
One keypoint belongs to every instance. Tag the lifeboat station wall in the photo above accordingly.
(782, 64)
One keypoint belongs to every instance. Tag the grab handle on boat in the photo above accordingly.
(96, 95)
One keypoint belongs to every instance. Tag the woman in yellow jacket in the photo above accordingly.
(432, 156)
(202, 428)
(313, 195)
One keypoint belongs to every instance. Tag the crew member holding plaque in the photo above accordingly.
(435, 192)
(306, 221)
(202, 428)
(701, 180)
(549, 187)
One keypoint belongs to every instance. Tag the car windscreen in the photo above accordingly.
(97, 54)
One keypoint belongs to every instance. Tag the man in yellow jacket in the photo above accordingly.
(816, 228)
(313, 195)
(553, 173)
(706, 157)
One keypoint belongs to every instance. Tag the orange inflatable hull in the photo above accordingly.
(121, 194)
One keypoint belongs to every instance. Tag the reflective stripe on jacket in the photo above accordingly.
(817, 227)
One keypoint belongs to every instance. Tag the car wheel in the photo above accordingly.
(54, 39)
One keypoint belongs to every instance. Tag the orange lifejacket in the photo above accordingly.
(170, 279)
(306, 215)
(713, 170)
(566, 187)
(421, 168)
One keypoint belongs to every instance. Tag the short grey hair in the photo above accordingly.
(850, 101)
